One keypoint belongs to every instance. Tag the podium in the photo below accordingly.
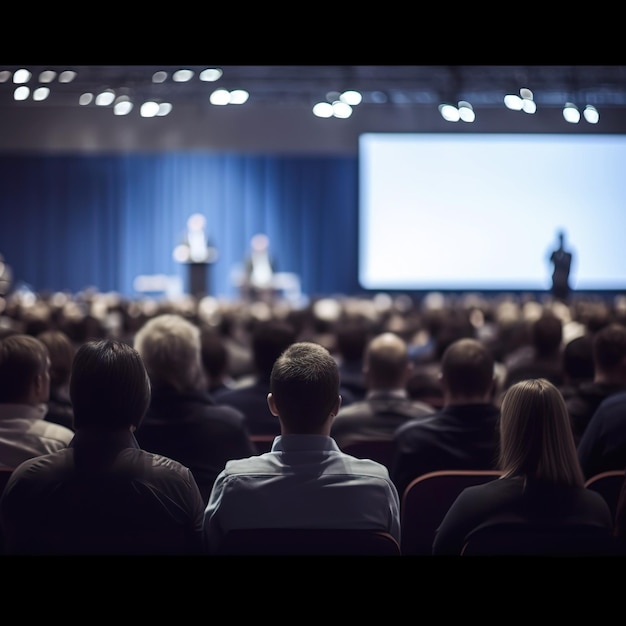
(198, 279)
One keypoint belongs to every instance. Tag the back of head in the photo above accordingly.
(536, 439)
(547, 333)
(22, 359)
(214, 352)
(609, 348)
(269, 339)
(171, 349)
(578, 359)
(305, 386)
(387, 362)
(61, 350)
(352, 335)
(109, 386)
(467, 369)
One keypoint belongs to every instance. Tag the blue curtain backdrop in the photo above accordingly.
(70, 222)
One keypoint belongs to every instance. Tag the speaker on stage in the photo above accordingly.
(198, 254)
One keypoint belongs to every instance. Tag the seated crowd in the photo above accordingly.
(128, 421)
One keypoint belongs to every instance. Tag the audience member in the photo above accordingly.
(24, 393)
(61, 351)
(305, 481)
(542, 482)
(542, 358)
(103, 494)
(259, 269)
(387, 405)
(462, 434)
(602, 446)
(609, 358)
(351, 337)
(215, 360)
(183, 422)
(578, 367)
(269, 339)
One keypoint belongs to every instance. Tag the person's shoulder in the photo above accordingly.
(612, 401)
(52, 431)
(417, 424)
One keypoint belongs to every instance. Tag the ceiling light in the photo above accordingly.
(466, 111)
(105, 98)
(220, 97)
(21, 93)
(352, 98)
(4, 76)
(41, 93)
(571, 113)
(67, 76)
(85, 98)
(210, 75)
(122, 106)
(449, 112)
(239, 96)
(182, 76)
(47, 76)
(159, 77)
(21, 76)
(149, 109)
(323, 109)
(591, 114)
(341, 109)
(164, 109)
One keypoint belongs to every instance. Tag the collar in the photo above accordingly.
(304, 443)
(387, 393)
(10, 410)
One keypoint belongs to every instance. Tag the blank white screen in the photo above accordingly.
(482, 211)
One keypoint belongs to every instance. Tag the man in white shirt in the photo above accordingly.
(305, 481)
(24, 392)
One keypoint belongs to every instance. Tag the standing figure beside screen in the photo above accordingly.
(561, 261)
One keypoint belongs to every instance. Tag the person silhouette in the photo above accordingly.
(561, 261)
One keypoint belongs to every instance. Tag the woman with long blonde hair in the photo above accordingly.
(541, 484)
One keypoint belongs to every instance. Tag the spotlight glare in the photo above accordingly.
(591, 114)
(149, 109)
(513, 102)
(239, 96)
(21, 76)
(323, 109)
(449, 113)
(571, 113)
(21, 93)
(211, 74)
(220, 97)
(41, 93)
(341, 109)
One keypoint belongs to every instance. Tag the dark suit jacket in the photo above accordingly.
(192, 429)
(456, 437)
(376, 417)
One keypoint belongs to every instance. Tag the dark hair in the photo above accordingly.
(305, 386)
(61, 351)
(578, 359)
(109, 385)
(269, 339)
(547, 333)
(467, 368)
(22, 359)
(609, 346)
